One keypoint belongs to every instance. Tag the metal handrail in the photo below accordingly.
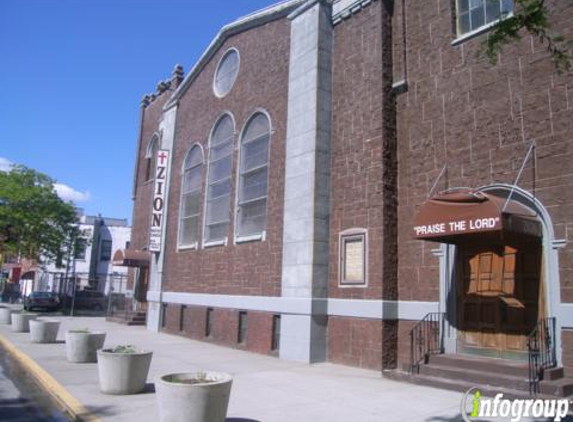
(541, 350)
(426, 338)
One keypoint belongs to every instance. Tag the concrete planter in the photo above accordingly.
(122, 373)
(182, 398)
(6, 315)
(81, 347)
(21, 321)
(44, 330)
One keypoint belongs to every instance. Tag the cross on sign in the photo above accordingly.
(162, 156)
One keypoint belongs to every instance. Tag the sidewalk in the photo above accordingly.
(265, 389)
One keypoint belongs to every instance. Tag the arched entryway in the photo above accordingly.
(496, 284)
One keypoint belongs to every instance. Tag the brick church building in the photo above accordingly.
(354, 182)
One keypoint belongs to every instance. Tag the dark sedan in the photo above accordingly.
(42, 300)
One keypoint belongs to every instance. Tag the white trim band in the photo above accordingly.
(371, 309)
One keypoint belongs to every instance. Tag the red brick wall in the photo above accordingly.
(355, 342)
(480, 119)
(224, 329)
(252, 268)
(404, 328)
(259, 333)
(171, 318)
(356, 148)
(194, 322)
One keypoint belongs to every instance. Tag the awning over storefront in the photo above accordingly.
(452, 217)
(131, 258)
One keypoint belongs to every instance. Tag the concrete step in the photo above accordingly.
(476, 376)
(553, 374)
(562, 387)
(462, 386)
(498, 366)
(138, 318)
(494, 373)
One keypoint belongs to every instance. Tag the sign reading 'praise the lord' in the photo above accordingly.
(458, 226)
(161, 162)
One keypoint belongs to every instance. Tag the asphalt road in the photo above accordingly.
(20, 399)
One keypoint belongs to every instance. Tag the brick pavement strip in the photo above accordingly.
(265, 389)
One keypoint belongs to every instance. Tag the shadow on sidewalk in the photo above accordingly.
(240, 420)
(25, 410)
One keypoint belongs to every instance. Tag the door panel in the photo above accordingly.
(498, 298)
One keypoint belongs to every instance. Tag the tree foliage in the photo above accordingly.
(532, 16)
(34, 222)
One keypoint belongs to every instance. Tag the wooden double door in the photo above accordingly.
(500, 298)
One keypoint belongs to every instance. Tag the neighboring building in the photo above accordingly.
(17, 277)
(93, 266)
(336, 183)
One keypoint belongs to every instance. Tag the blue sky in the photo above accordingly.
(73, 73)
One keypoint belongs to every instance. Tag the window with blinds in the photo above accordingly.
(190, 208)
(219, 180)
(253, 177)
(473, 15)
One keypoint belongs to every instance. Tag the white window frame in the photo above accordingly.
(343, 236)
(220, 242)
(484, 28)
(223, 56)
(150, 158)
(194, 245)
(262, 235)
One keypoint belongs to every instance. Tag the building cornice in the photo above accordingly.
(343, 9)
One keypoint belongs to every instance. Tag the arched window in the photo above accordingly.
(190, 207)
(253, 176)
(150, 158)
(219, 180)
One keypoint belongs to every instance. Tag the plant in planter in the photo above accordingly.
(6, 315)
(82, 345)
(21, 321)
(44, 330)
(193, 396)
(123, 369)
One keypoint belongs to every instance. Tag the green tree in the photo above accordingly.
(533, 17)
(34, 222)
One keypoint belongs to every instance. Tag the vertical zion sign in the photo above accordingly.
(158, 200)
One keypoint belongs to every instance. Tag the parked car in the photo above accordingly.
(88, 299)
(42, 300)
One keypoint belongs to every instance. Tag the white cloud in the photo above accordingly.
(70, 194)
(64, 191)
(5, 164)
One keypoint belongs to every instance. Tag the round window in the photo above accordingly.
(226, 73)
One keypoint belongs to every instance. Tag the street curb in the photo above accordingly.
(69, 403)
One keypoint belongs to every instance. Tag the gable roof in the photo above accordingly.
(252, 20)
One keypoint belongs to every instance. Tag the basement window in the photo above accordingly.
(209, 323)
(182, 318)
(243, 322)
(163, 315)
(276, 340)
